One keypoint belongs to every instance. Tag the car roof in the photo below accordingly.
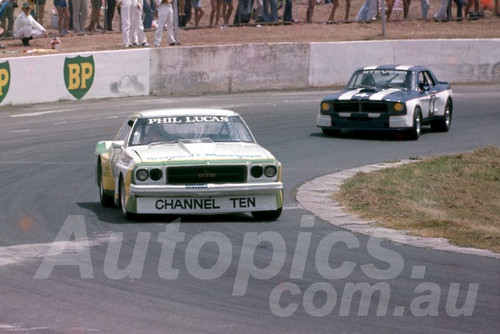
(412, 68)
(184, 112)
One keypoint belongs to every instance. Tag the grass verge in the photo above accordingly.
(455, 197)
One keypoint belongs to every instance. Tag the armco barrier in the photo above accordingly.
(233, 68)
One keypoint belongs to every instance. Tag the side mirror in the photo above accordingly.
(118, 144)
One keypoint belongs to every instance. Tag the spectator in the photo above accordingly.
(63, 16)
(460, 4)
(227, 10)
(94, 15)
(243, 12)
(165, 16)
(40, 10)
(469, 5)
(310, 11)
(442, 13)
(406, 7)
(367, 11)
(258, 6)
(198, 11)
(149, 10)
(110, 14)
(79, 16)
(8, 14)
(26, 27)
(270, 11)
(216, 6)
(131, 19)
(287, 14)
(334, 9)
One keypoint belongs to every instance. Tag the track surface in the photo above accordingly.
(224, 274)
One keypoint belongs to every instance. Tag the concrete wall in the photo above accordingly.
(233, 68)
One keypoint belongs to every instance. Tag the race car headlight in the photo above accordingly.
(142, 174)
(256, 171)
(270, 171)
(155, 174)
(399, 107)
(325, 106)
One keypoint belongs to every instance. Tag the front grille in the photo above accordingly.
(377, 107)
(206, 174)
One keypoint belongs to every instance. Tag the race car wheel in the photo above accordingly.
(444, 124)
(106, 200)
(416, 130)
(267, 215)
(123, 201)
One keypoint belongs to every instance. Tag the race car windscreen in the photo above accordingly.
(380, 78)
(173, 129)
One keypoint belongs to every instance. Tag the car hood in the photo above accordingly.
(183, 151)
(370, 94)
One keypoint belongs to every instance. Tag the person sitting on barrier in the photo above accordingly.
(26, 27)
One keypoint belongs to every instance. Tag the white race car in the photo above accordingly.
(188, 161)
(389, 97)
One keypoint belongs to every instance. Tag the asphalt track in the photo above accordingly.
(224, 274)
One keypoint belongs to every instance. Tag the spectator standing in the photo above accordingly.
(460, 4)
(470, 3)
(287, 13)
(40, 10)
(95, 14)
(335, 5)
(310, 11)
(406, 8)
(227, 10)
(442, 13)
(63, 16)
(149, 9)
(258, 6)
(26, 27)
(165, 16)
(79, 16)
(198, 11)
(132, 27)
(270, 11)
(216, 6)
(110, 14)
(8, 14)
(367, 11)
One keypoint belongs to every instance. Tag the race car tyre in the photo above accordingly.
(123, 201)
(443, 124)
(416, 130)
(266, 215)
(106, 200)
(331, 132)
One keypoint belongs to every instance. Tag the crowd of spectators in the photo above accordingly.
(72, 14)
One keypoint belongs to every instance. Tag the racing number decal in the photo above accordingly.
(79, 75)
(4, 79)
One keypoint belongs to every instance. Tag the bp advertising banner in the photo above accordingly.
(68, 77)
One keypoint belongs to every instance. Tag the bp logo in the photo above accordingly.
(4, 79)
(79, 75)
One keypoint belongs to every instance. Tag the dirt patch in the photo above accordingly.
(299, 31)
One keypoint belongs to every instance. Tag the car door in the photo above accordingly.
(427, 88)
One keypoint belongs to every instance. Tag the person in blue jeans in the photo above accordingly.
(148, 8)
